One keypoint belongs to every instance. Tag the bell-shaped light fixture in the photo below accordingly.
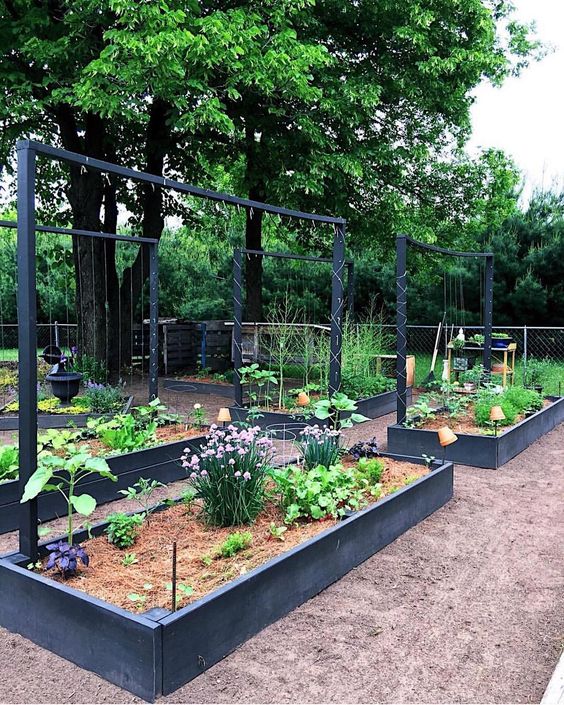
(303, 399)
(224, 416)
(496, 413)
(446, 436)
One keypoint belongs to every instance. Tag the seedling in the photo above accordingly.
(277, 532)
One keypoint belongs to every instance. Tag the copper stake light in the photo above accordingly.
(224, 416)
(496, 415)
(446, 437)
(303, 399)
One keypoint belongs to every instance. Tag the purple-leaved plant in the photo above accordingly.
(66, 557)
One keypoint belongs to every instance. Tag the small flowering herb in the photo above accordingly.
(66, 557)
(199, 416)
(123, 529)
(365, 449)
(319, 446)
(229, 473)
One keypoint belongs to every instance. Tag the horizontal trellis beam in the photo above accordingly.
(84, 233)
(100, 165)
(289, 255)
(443, 251)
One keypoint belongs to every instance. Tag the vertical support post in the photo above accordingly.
(27, 346)
(350, 291)
(401, 327)
(525, 353)
(488, 316)
(153, 322)
(204, 345)
(337, 308)
(237, 324)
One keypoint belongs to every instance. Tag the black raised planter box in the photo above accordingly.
(286, 424)
(476, 450)
(11, 422)
(159, 463)
(195, 387)
(154, 655)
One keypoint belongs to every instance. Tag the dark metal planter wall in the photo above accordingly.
(11, 423)
(371, 407)
(475, 450)
(159, 463)
(150, 657)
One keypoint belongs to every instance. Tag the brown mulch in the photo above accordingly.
(108, 579)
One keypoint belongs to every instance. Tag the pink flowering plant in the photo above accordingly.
(319, 446)
(229, 474)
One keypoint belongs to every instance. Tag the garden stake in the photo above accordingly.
(174, 576)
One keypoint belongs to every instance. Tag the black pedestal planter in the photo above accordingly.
(65, 385)
(159, 463)
(371, 407)
(11, 422)
(479, 451)
(154, 656)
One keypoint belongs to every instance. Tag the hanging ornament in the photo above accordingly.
(460, 335)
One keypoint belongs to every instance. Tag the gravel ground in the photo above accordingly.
(465, 607)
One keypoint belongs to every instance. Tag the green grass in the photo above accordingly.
(554, 372)
(11, 354)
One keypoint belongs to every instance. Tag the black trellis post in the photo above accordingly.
(237, 324)
(401, 323)
(350, 290)
(337, 307)
(153, 322)
(27, 346)
(488, 315)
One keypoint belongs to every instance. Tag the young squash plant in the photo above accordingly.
(57, 474)
(332, 410)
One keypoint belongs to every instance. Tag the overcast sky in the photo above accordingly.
(525, 117)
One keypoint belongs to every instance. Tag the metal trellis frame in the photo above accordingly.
(402, 243)
(27, 151)
(337, 305)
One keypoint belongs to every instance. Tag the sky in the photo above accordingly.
(525, 117)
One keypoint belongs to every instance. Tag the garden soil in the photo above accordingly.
(466, 607)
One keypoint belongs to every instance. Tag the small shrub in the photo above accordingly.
(483, 407)
(319, 446)
(359, 386)
(103, 399)
(123, 434)
(234, 543)
(316, 493)
(229, 474)
(370, 469)
(123, 529)
(523, 399)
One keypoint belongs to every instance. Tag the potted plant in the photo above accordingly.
(501, 340)
(64, 383)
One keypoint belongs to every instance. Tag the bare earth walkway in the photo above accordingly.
(466, 607)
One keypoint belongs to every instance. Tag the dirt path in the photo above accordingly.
(465, 607)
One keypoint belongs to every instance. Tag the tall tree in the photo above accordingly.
(129, 82)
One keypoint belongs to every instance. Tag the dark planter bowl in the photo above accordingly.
(65, 385)
(501, 343)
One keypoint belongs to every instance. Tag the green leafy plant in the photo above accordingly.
(234, 543)
(122, 529)
(122, 433)
(370, 469)
(420, 412)
(92, 370)
(199, 416)
(277, 532)
(129, 559)
(57, 474)
(187, 497)
(183, 591)
(142, 492)
(359, 386)
(9, 463)
(316, 493)
(257, 381)
(524, 400)
(332, 409)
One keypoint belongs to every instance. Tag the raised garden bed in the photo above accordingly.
(10, 422)
(158, 463)
(372, 408)
(157, 652)
(483, 451)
